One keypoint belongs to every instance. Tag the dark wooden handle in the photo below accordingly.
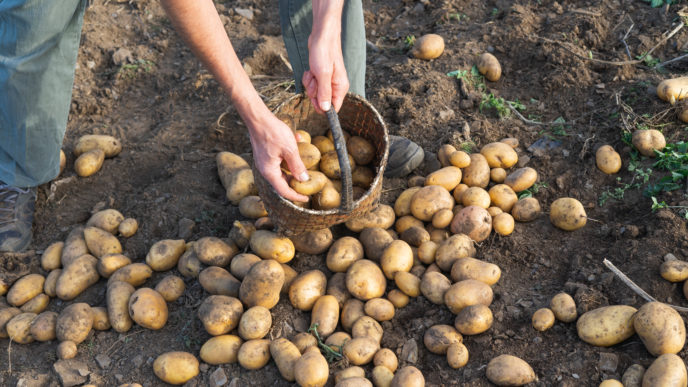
(343, 156)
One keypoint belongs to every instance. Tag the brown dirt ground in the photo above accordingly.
(168, 112)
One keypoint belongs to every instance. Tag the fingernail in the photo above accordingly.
(304, 176)
(325, 105)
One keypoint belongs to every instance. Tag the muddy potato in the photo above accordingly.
(101, 321)
(564, 307)
(215, 251)
(220, 314)
(611, 383)
(304, 340)
(416, 181)
(77, 277)
(361, 150)
(254, 354)
(311, 370)
(241, 232)
(323, 144)
(117, 298)
(503, 224)
(408, 283)
(473, 320)
(430, 199)
(526, 209)
(128, 227)
(242, 263)
(108, 220)
(471, 268)
(460, 159)
(51, 257)
(262, 284)
(227, 164)
(336, 287)
(374, 240)
(442, 218)
(289, 276)
(447, 177)
(489, 66)
(380, 309)
(674, 271)
(43, 326)
(63, 162)
(25, 288)
(325, 314)
(309, 153)
(366, 326)
(148, 309)
(164, 254)
(434, 285)
(543, 319)
(427, 251)
(74, 323)
(307, 288)
(313, 242)
(648, 141)
(349, 373)
(402, 206)
(502, 196)
(36, 304)
(66, 350)
(355, 382)
(428, 46)
(633, 376)
(343, 252)
(255, 323)
(360, 350)
(660, 327)
(382, 216)
(667, 370)
(673, 89)
(101, 242)
(189, 265)
(89, 162)
(50, 285)
(221, 349)
(108, 144)
(475, 196)
(337, 340)
(473, 221)
(497, 175)
(365, 280)
(444, 154)
(457, 355)
(315, 183)
(269, 245)
(216, 280)
(438, 338)
(521, 179)
(415, 236)
(466, 293)
(385, 357)
(329, 165)
(405, 222)
(6, 314)
(241, 184)
(458, 192)
(508, 370)
(285, 354)
(499, 155)
(135, 274)
(18, 328)
(408, 376)
(477, 173)
(398, 256)
(567, 214)
(607, 160)
(327, 199)
(109, 264)
(352, 310)
(170, 288)
(176, 367)
(75, 246)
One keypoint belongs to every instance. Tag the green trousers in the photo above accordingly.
(296, 19)
(39, 41)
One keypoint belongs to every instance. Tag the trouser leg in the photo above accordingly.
(296, 18)
(39, 41)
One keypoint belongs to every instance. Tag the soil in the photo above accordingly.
(172, 119)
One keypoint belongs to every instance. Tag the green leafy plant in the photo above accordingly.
(640, 178)
(659, 3)
(489, 101)
(330, 354)
(673, 159)
(467, 146)
(649, 60)
(534, 189)
(130, 70)
(472, 77)
(409, 41)
(659, 205)
(458, 16)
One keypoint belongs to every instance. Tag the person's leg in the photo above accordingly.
(39, 42)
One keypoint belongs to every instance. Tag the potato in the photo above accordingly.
(430, 199)
(107, 220)
(611, 383)
(176, 367)
(75, 246)
(323, 144)
(218, 281)
(503, 224)
(352, 310)
(408, 283)
(241, 184)
(74, 323)
(374, 240)
(214, 251)
(51, 257)
(6, 314)
(459, 159)
(66, 350)
(223, 349)
(489, 66)
(499, 155)
(135, 274)
(19, 328)
(508, 370)
(220, 314)
(313, 242)
(313, 185)
(63, 162)
(303, 136)
(607, 160)
(398, 298)
(672, 90)
(289, 277)
(311, 370)
(108, 144)
(473, 221)
(366, 326)
(398, 256)
(164, 254)
(128, 227)
(648, 141)
(407, 221)
(438, 338)
(633, 376)
(494, 211)
(526, 209)
(382, 216)
(89, 162)
(564, 307)
(325, 314)
(286, 354)
(349, 373)
(427, 251)
(255, 323)
(447, 177)
(674, 270)
(380, 309)
(304, 340)
(473, 320)
(117, 297)
(415, 236)
(309, 153)
(521, 179)
(148, 309)
(227, 164)
(343, 253)
(77, 277)
(567, 214)
(101, 242)
(365, 280)
(254, 354)
(262, 284)
(36, 304)
(242, 263)
(25, 288)
(361, 150)
(502, 196)
(402, 206)
(307, 288)
(101, 321)
(660, 327)
(477, 173)
(442, 218)
(360, 350)
(434, 285)
(457, 355)
(408, 376)
(170, 288)
(189, 265)
(241, 232)
(497, 175)
(327, 199)
(466, 293)
(336, 287)
(458, 192)
(606, 326)
(428, 46)
(43, 326)
(336, 340)
(269, 245)
(355, 382)
(667, 370)
(543, 319)
(475, 196)
(471, 268)
(109, 264)
(444, 154)
(329, 165)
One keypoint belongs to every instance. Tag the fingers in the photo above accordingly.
(295, 164)
(310, 85)
(324, 90)
(340, 86)
(275, 177)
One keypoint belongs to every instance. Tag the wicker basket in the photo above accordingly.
(359, 118)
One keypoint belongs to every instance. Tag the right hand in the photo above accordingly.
(273, 141)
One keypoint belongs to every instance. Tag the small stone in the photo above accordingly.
(513, 312)
(575, 376)
(447, 114)
(234, 382)
(103, 361)
(71, 372)
(90, 64)
(409, 352)
(122, 56)
(185, 227)
(542, 146)
(137, 361)
(217, 378)
(247, 13)
(670, 257)
(608, 362)
(203, 367)
(150, 361)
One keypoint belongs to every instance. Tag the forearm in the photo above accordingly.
(327, 18)
(199, 24)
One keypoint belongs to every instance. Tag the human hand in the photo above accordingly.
(326, 83)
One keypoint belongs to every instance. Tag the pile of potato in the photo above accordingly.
(91, 150)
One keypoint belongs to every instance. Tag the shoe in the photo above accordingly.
(404, 156)
(16, 217)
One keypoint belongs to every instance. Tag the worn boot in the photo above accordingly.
(404, 156)
(16, 217)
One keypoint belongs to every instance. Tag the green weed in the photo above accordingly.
(489, 101)
(409, 41)
(648, 59)
(534, 189)
(673, 159)
(131, 70)
(330, 354)
(467, 146)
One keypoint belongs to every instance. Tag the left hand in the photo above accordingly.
(326, 83)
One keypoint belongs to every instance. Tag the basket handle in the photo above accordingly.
(343, 156)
